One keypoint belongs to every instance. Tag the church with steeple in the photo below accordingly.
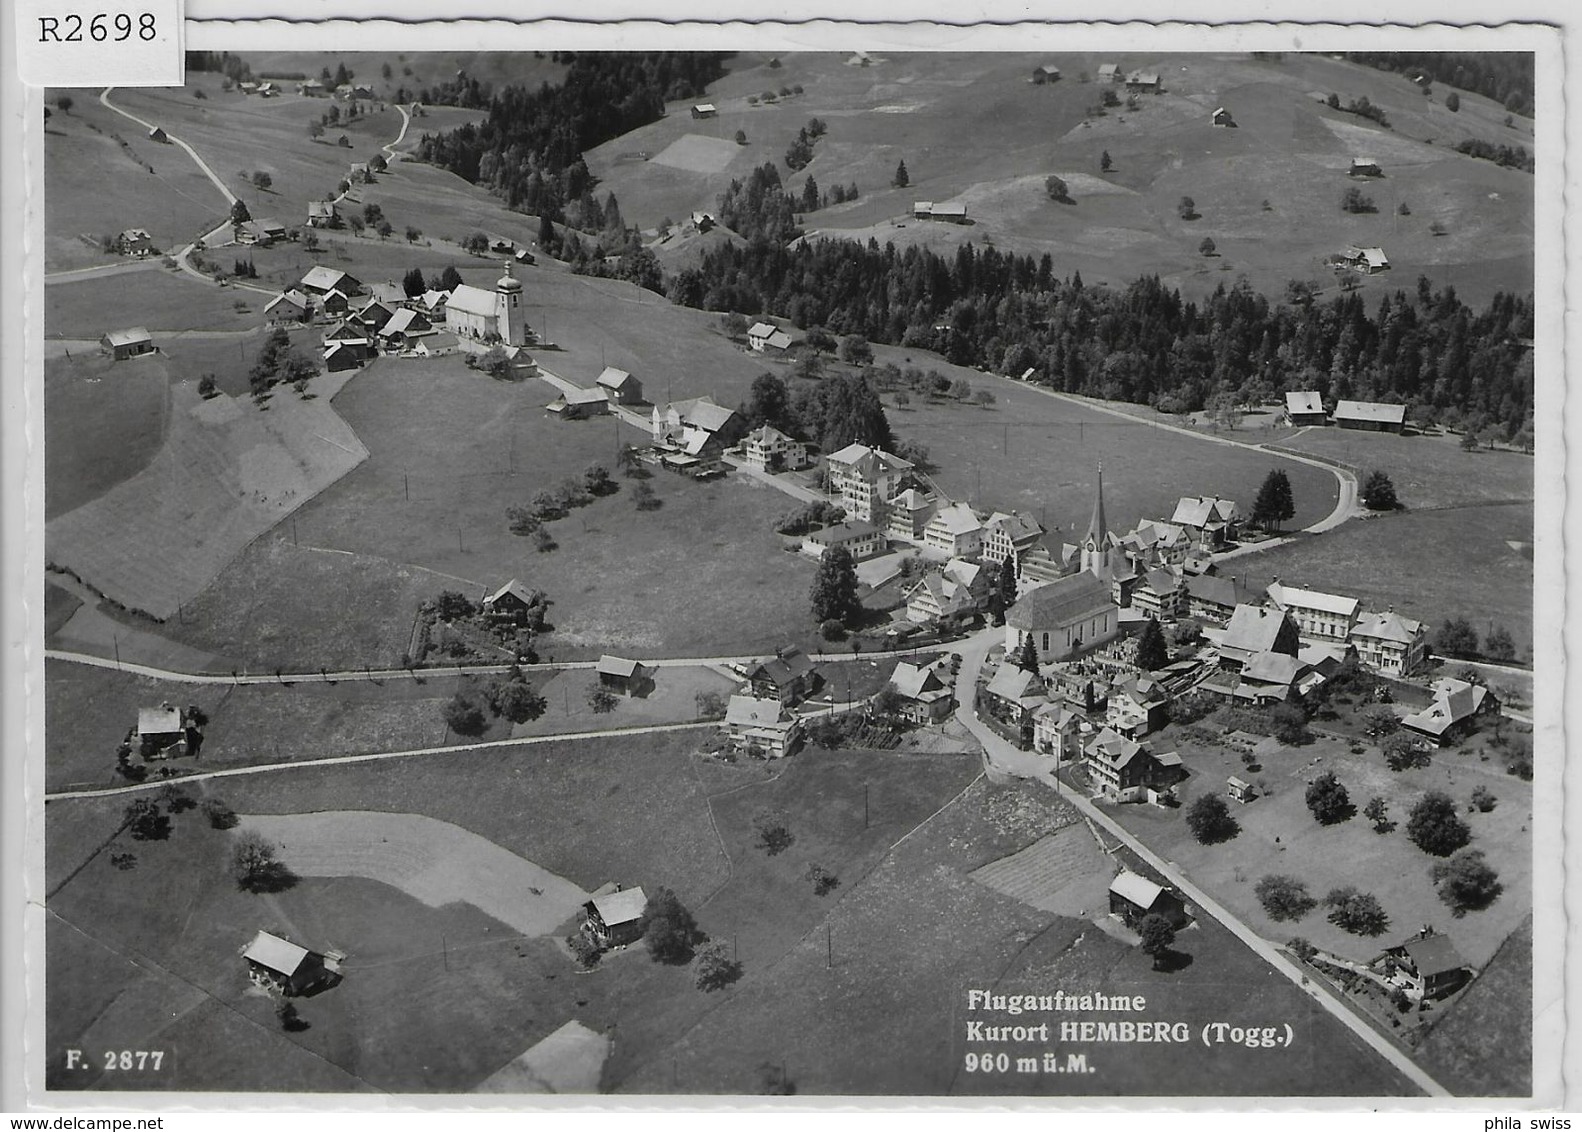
(1098, 545)
(484, 315)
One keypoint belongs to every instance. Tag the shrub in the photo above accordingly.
(1301, 948)
(219, 814)
(774, 833)
(1284, 898)
(465, 715)
(1403, 752)
(1483, 799)
(583, 949)
(824, 882)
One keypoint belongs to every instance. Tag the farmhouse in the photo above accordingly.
(1209, 521)
(864, 479)
(960, 589)
(1012, 696)
(123, 344)
(956, 531)
(134, 241)
(157, 134)
(264, 231)
(703, 222)
(511, 602)
(1159, 593)
(1239, 790)
(472, 312)
(1109, 73)
(770, 450)
(402, 328)
(1303, 407)
(1057, 731)
(289, 308)
(373, 314)
(281, 966)
(860, 539)
(164, 732)
(1132, 897)
(1455, 705)
(628, 677)
(1364, 167)
(579, 404)
(1126, 771)
(615, 918)
(1324, 617)
(910, 512)
(1390, 644)
(432, 304)
(1269, 678)
(762, 336)
(321, 280)
(1425, 966)
(1369, 261)
(761, 727)
(1048, 73)
(620, 387)
(1253, 630)
(340, 356)
(1371, 416)
(701, 428)
(522, 255)
(1063, 618)
(1221, 117)
(787, 678)
(950, 213)
(336, 304)
(310, 88)
(1144, 82)
(436, 345)
(704, 110)
(924, 691)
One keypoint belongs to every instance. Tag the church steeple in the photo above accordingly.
(1098, 529)
(1096, 546)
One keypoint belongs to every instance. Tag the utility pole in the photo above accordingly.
(829, 948)
(406, 487)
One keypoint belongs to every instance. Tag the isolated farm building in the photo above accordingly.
(1425, 966)
(620, 387)
(1211, 598)
(703, 222)
(922, 209)
(1132, 897)
(615, 918)
(956, 531)
(163, 732)
(929, 210)
(628, 677)
(523, 256)
(473, 312)
(279, 965)
(321, 280)
(770, 450)
(157, 134)
(134, 241)
(1369, 261)
(761, 727)
(310, 88)
(763, 336)
(1239, 790)
(247, 87)
(1455, 706)
(345, 355)
(924, 690)
(271, 229)
(1011, 696)
(860, 539)
(510, 603)
(704, 110)
(787, 678)
(1364, 167)
(1124, 770)
(1252, 630)
(289, 308)
(909, 514)
(402, 328)
(1390, 644)
(1057, 731)
(1222, 117)
(358, 173)
(865, 479)
(1109, 73)
(1145, 81)
(1304, 407)
(1010, 534)
(1208, 520)
(1318, 615)
(1371, 416)
(1063, 618)
(578, 404)
(960, 589)
(1137, 706)
(1047, 73)
(131, 343)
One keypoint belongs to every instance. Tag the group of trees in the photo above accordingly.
(551, 503)
(800, 152)
(1456, 637)
(1513, 156)
(510, 695)
(1275, 502)
(840, 410)
(1360, 107)
(278, 361)
(1507, 77)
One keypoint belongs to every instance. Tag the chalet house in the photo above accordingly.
(1390, 644)
(1371, 416)
(620, 387)
(1011, 697)
(925, 691)
(616, 918)
(699, 427)
(1211, 598)
(764, 336)
(164, 732)
(1123, 770)
(1137, 706)
(1109, 73)
(1048, 73)
(1368, 261)
(1152, 543)
(1253, 630)
(432, 304)
(350, 329)
(1057, 731)
(157, 134)
(956, 531)
(335, 304)
(1132, 897)
(289, 308)
(1222, 117)
(1425, 966)
(402, 328)
(1010, 535)
(960, 589)
(770, 450)
(1208, 520)
(134, 241)
(626, 677)
(268, 230)
(511, 603)
(1160, 593)
(1144, 82)
(1364, 167)
(703, 222)
(392, 295)
(522, 255)
(761, 727)
(1269, 678)
(1304, 407)
(579, 404)
(284, 967)
(910, 512)
(310, 88)
(374, 314)
(123, 344)
(321, 280)
(1320, 616)
(788, 677)
(340, 356)
(1455, 706)
(864, 479)
(860, 539)
(1063, 618)
(705, 110)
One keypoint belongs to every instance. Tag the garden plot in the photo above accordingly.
(1065, 873)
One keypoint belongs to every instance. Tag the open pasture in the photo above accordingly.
(1429, 472)
(1486, 1040)
(157, 300)
(104, 421)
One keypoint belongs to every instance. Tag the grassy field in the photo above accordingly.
(157, 300)
(959, 122)
(1279, 835)
(104, 421)
(1485, 1042)
(1429, 472)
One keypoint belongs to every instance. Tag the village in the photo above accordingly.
(1177, 727)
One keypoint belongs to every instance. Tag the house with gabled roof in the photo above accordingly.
(865, 479)
(1063, 618)
(624, 676)
(700, 427)
(1390, 644)
(289, 308)
(1057, 731)
(620, 387)
(1124, 770)
(1269, 678)
(614, 919)
(1320, 616)
(704, 110)
(577, 404)
(402, 328)
(278, 965)
(956, 531)
(1364, 167)
(1011, 697)
(788, 677)
(1132, 897)
(959, 589)
(1425, 966)
(1046, 73)
(1010, 534)
(511, 602)
(766, 337)
(1211, 597)
(1368, 261)
(1370, 416)
(859, 539)
(1144, 82)
(1455, 706)
(761, 726)
(1137, 706)
(1252, 630)
(909, 514)
(1208, 520)
(133, 342)
(1159, 593)
(321, 280)
(134, 241)
(924, 690)
(1304, 407)
(770, 450)
(1109, 73)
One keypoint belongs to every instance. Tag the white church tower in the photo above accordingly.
(511, 316)
(1096, 548)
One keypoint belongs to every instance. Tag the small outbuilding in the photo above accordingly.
(1222, 117)
(1239, 790)
(705, 110)
(1364, 167)
(130, 343)
(628, 677)
(577, 404)
(616, 918)
(1132, 897)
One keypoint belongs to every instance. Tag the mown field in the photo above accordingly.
(1429, 472)
(157, 300)
(104, 421)
(1486, 1040)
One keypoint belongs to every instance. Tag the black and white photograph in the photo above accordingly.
(915, 567)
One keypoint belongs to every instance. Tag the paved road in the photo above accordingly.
(1001, 756)
(125, 267)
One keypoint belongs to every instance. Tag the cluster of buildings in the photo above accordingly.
(1306, 407)
(1147, 82)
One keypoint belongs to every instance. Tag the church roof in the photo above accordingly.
(474, 300)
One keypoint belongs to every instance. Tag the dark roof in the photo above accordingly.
(1059, 602)
(1433, 955)
(1208, 587)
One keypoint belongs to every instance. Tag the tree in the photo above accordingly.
(1380, 723)
(1378, 812)
(206, 386)
(1456, 637)
(262, 180)
(1359, 913)
(1355, 200)
(713, 968)
(1328, 801)
(1469, 441)
(449, 279)
(1483, 799)
(645, 499)
(518, 702)
(1435, 827)
(1027, 655)
(1378, 493)
(239, 213)
(1404, 751)
(1105, 163)
(1498, 645)
(1453, 102)
(1153, 653)
(854, 350)
(254, 867)
(1210, 820)
(1057, 188)
(413, 233)
(1274, 504)
(1207, 247)
(600, 698)
(355, 223)
(464, 714)
(1187, 208)
(741, 137)
(1288, 723)
(145, 821)
(668, 928)
(453, 606)
(709, 704)
(64, 103)
(384, 228)
(219, 814)
(413, 284)
(1466, 882)
(475, 244)
(774, 831)
(1154, 937)
(1007, 581)
(902, 178)
(1283, 897)
(834, 593)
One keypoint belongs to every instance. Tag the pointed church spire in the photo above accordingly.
(1098, 530)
